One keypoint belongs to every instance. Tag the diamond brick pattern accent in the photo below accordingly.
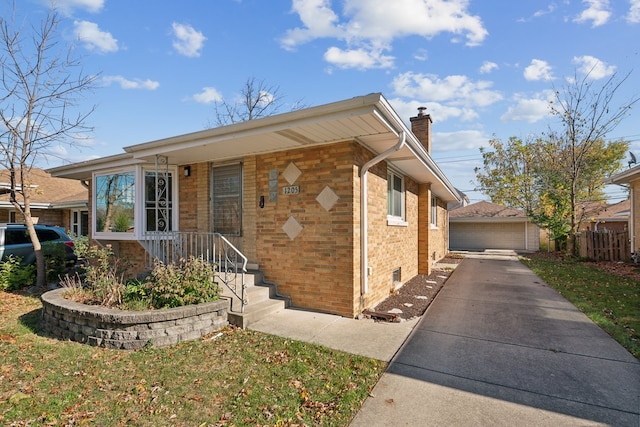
(291, 173)
(327, 198)
(292, 228)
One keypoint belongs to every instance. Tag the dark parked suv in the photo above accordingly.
(14, 240)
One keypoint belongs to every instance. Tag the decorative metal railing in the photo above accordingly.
(170, 247)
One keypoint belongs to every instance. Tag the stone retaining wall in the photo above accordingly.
(129, 330)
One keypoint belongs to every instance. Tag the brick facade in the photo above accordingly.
(438, 237)
(319, 268)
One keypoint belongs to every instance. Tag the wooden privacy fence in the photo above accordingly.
(605, 245)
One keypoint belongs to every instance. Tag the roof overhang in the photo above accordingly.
(625, 177)
(490, 220)
(369, 120)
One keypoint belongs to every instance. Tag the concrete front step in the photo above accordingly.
(255, 312)
(261, 301)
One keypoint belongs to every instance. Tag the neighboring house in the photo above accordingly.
(484, 225)
(54, 201)
(613, 217)
(631, 179)
(336, 203)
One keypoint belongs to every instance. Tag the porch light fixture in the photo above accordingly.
(187, 171)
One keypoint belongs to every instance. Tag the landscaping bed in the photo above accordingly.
(129, 330)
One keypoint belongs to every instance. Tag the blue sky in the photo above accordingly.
(482, 68)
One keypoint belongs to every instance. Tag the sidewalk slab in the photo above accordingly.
(365, 337)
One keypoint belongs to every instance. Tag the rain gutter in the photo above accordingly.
(364, 249)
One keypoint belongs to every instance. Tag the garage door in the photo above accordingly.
(481, 236)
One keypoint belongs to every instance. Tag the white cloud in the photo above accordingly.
(93, 38)
(188, 41)
(487, 67)
(68, 6)
(368, 27)
(207, 96)
(459, 140)
(131, 84)
(357, 58)
(421, 55)
(439, 112)
(529, 110)
(550, 9)
(538, 70)
(597, 12)
(634, 12)
(318, 20)
(456, 90)
(593, 67)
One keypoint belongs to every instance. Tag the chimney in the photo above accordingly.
(421, 128)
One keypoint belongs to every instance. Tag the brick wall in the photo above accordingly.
(249, 209)
(316, 268)
(188, 196)
(320, 268)
(389, 246)
(438, 236)
(45, 216)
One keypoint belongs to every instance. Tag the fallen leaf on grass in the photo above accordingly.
(18, 397)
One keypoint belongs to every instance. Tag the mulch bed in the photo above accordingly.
(413, 298)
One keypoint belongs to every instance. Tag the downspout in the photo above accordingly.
(364, 250)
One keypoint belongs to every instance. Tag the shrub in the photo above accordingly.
(190, 281)
(55, 262)
(14, 275)
(103, 275)
(135, 296)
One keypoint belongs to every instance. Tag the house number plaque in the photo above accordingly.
(292, 189)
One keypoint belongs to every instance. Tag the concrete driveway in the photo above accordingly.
(500, 347)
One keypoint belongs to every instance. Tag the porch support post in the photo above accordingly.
(162, 191)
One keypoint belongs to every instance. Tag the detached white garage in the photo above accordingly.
(486, 225)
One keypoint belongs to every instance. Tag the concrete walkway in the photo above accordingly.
(499, 347)
(377, 340)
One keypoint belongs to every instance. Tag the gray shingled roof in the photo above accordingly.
(484, 210)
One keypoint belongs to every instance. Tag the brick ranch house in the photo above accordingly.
(337, 204)
(54, 201)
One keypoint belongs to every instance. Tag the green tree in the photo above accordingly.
(539, 176)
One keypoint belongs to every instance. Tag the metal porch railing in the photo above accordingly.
(171, 246)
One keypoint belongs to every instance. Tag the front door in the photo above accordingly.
(226, 189)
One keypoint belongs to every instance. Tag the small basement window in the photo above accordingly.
(396, 275)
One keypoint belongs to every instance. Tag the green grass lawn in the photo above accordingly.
(237, 378)
(610, 300)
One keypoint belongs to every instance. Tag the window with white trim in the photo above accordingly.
(434, 211)
(158, 201)
(395, 195)
(114, 196)
(79, 222)
(129, 202)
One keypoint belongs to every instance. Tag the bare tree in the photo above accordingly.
(40, 88)
(587, 115)
(257, 99)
